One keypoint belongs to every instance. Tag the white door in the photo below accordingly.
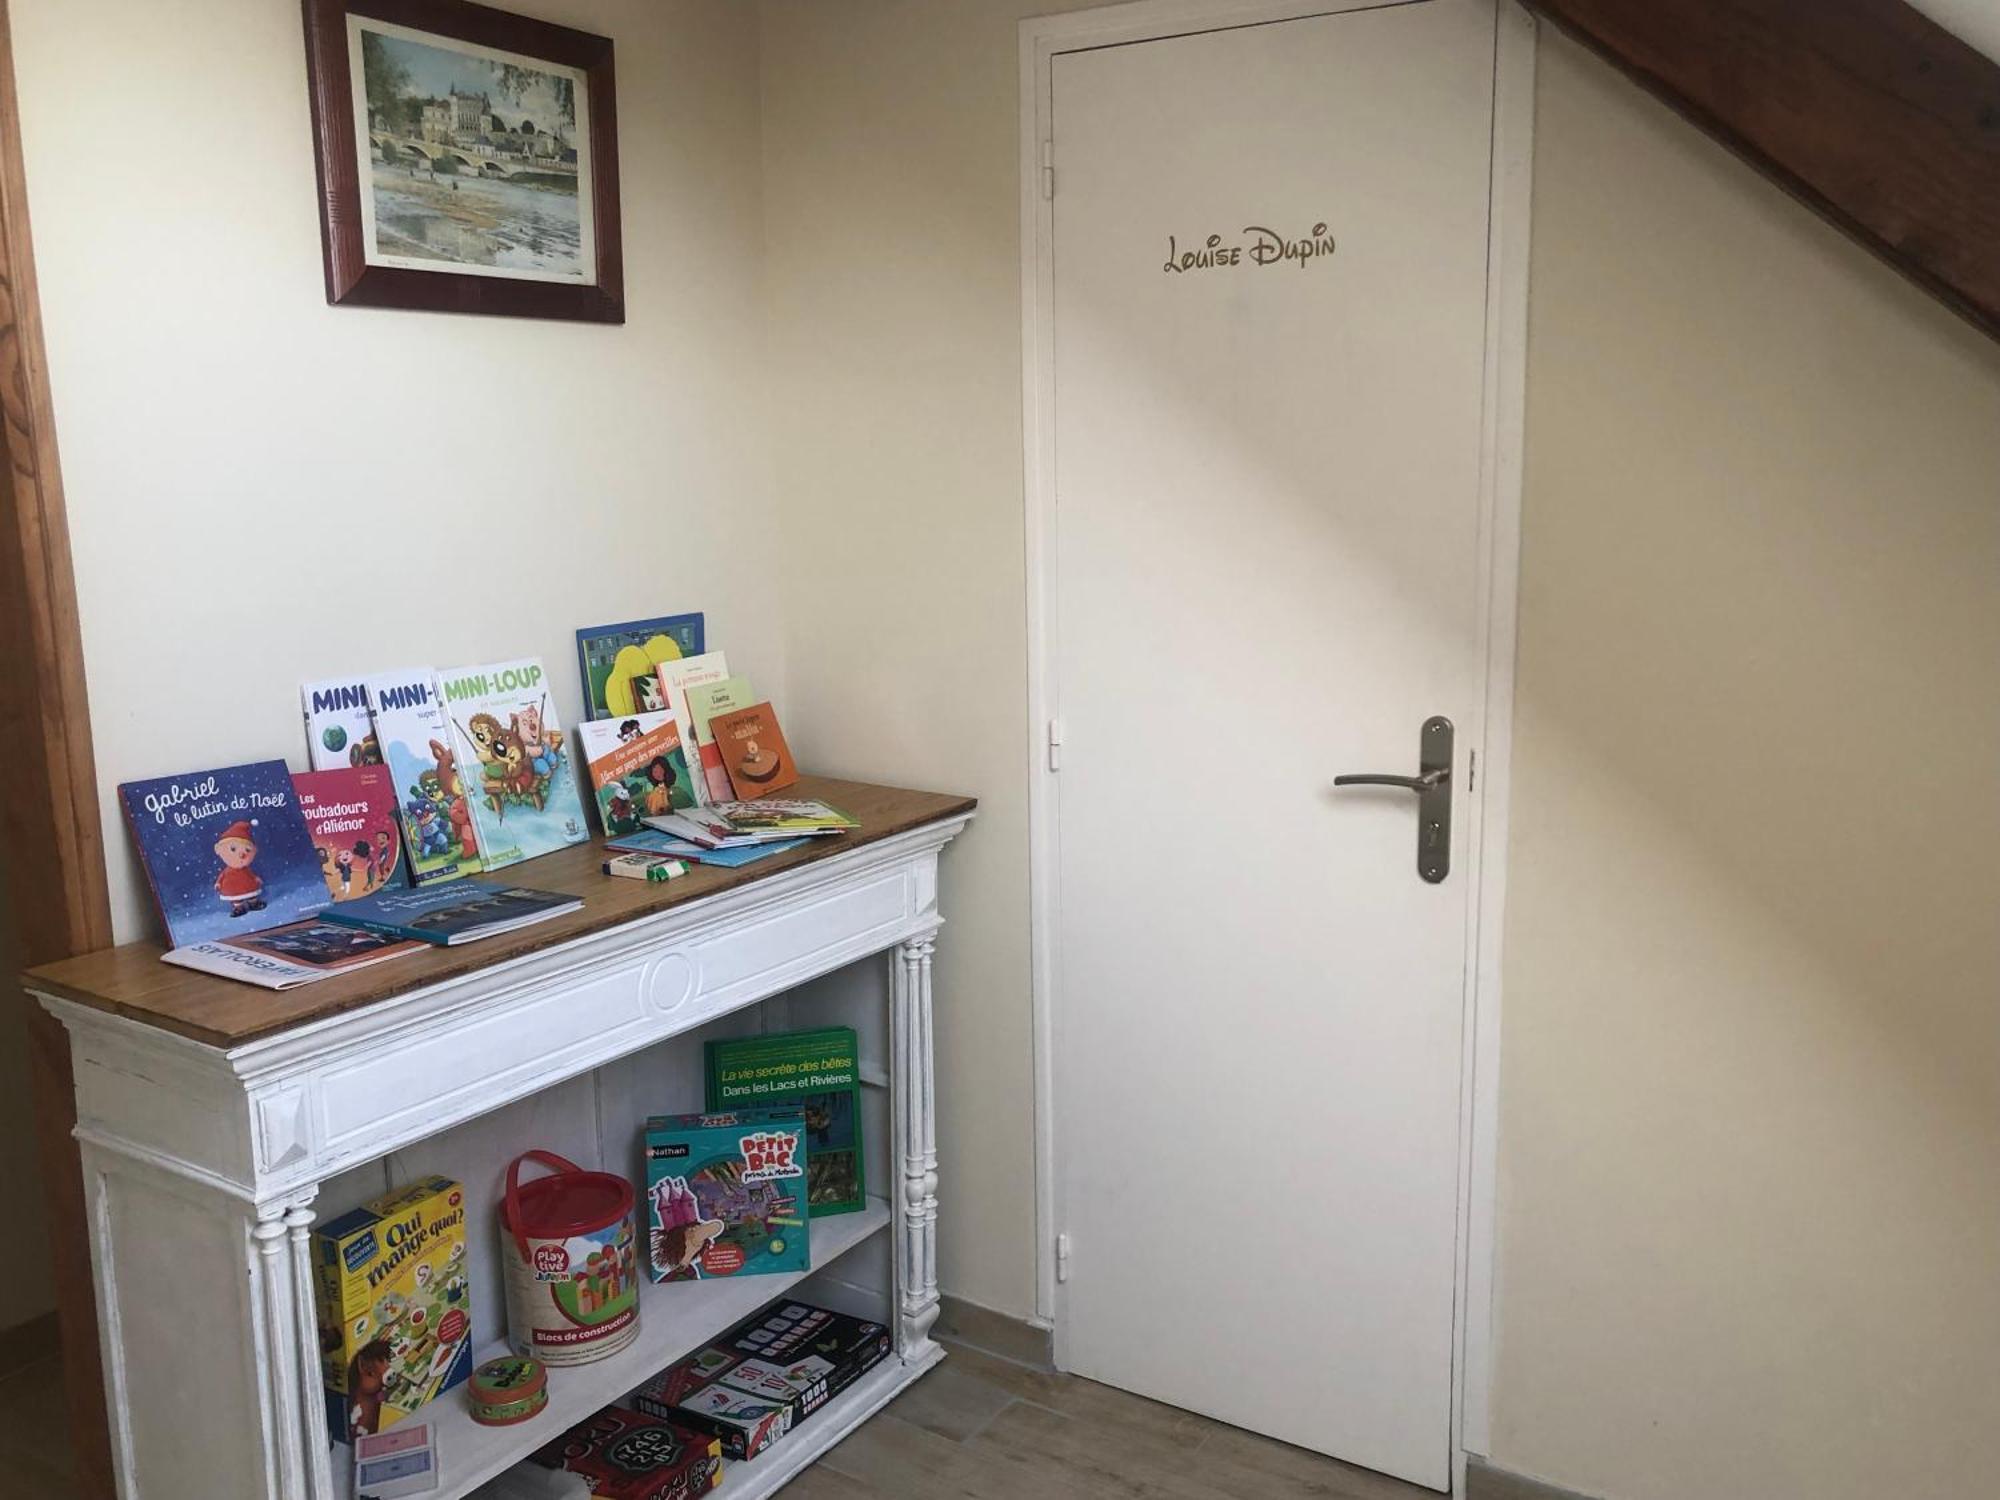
(1267, 554)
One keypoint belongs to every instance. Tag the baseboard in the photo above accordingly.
(995, 1333)
(29, 1343)
(1484, 1482)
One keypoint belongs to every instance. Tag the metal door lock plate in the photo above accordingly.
(1432, 784)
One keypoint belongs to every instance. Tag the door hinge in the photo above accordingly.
(1048, 169)
(1471, 771)
(1062, 1256)
(1055, 744)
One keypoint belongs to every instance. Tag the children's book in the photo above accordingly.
(652, 841)
(676, 677)
(338, 729)
(352, 817)
(699, 825)
(519, 777)
(280, 958)
(616, 662)
(820, 1072)
(461, 912)
(753, 751)
(779, 815)
(704, 703)
(438, 832)
(225, 851)
(725, 1194)
(637, 766)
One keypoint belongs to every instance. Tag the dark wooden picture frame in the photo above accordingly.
(350, 277)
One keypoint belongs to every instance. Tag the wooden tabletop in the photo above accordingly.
(130, 980)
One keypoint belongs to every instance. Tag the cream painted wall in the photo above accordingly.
(1750, 1056)
(891, 191)
(1751, 1084)
(263, 488)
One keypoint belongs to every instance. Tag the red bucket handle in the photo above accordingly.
(548, 1159)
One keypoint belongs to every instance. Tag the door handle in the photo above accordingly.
(1421, 783)
(1432, 784)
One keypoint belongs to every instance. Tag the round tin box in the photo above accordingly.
(510, 1389)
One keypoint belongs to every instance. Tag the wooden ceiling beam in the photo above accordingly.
(1866, 110)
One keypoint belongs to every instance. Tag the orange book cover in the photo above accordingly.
(753, 750)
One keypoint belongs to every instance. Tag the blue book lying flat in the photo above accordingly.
(652, 841)
(457, 911)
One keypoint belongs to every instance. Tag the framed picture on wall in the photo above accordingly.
(467, 160)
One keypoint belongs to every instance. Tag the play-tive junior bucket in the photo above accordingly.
(572, 1262)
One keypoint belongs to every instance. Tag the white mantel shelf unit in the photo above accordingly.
(212, 1116)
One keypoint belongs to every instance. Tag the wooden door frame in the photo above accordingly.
(1503, 422)
(51, 821)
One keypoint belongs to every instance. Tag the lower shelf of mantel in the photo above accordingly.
(674, 1319)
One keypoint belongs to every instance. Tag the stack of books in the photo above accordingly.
(734, 825)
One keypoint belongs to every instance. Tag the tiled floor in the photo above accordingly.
(979, 1428)
(975, 1428)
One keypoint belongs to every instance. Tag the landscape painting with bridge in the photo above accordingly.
(471, 160)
